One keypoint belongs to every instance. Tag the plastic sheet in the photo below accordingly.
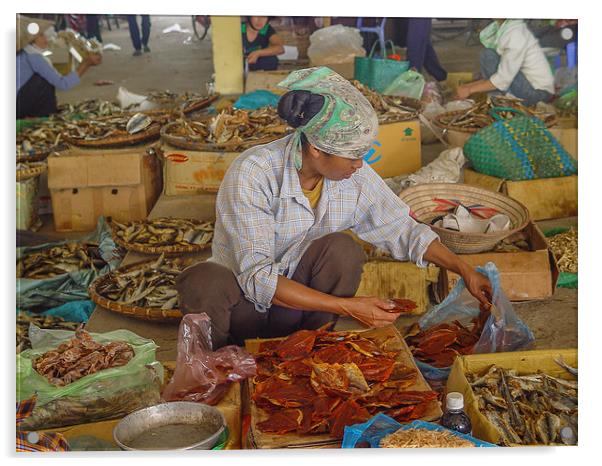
(107, 394)
(335, 44)
(408, 84)
(74, 311)
(51, 292)
(257, 99)
(381, 425)
(203, 375)
(504, 331)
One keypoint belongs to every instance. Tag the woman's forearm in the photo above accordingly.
(294, 295)
(439, 255)
(484, 85)
(271, 50)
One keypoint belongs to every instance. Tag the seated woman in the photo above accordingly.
(37, 79)
(512, 62)
(261, 45)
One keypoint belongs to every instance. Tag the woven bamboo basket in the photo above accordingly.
(157, 250)
(200, 104)
(152, 132)
(420, 200)
(34, 169)
(190, 144)
(143, 313)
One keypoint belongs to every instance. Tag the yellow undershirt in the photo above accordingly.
(313, 195)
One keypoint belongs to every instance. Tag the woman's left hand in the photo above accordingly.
(479, 286)
(463, 92)
(253, 57)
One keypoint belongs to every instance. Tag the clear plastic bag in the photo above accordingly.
(335, 44)
(203, 375)
(107, 394)
(504, 331)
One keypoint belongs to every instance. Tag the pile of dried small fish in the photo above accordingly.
(478, 116)
(79, 357)
(440, 344)
(564, 247)
(527, 409)
(390, 109)
(149, 286)
(232, 127)
(41, 321)
(89, 108)
(164, 231)
(423, 438)
(43, 137)
(114, 126)
(58, 260)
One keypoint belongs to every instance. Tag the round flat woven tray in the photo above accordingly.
(422, 204)
(167, 250)
(35, 169)
(410, 102)
(190, 144)
(152, 132)
(550, 121)
(144, 313)
(200, 104)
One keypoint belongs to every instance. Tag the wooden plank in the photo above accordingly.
(262, 440)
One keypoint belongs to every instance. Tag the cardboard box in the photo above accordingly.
(265, 80)
(397, 149)
(525, 362)
(457, 79)
(394, 279)
(524, 276)
(545, 198)
(85, 184)
(188, 172)
(566, 132)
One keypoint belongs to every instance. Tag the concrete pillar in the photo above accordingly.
(226, 39)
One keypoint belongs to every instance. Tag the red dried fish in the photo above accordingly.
(281, 422)
(404, 305)
(296, 346)
(346, 414)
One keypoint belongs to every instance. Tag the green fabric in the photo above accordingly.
(346, 125)
(490, 36)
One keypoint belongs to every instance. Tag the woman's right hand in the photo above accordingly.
(94, 59)
(370, 311)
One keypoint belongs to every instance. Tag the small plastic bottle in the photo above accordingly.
(454, 417)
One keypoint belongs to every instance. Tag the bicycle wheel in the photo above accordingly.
(200, 26)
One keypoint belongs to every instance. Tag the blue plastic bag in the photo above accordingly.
(381, 425)
(257, 99)
(74, 311)
(504, 330)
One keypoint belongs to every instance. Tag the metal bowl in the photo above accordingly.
(177, 412)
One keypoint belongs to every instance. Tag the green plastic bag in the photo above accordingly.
(516, 149)
(378, 73)
(108, 394)
(408, 84)
(52, 292)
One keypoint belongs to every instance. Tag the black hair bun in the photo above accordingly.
(298, 107)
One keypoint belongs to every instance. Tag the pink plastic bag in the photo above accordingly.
(203, 375)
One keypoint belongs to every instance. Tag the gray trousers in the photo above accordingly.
(520, 86)
(332, 264)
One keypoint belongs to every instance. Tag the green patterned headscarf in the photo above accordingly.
(346, 126)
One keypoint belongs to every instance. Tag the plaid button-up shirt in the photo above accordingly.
(265, 223)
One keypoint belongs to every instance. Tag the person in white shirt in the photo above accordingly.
(513, 62)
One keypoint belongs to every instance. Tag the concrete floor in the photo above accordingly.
(180, 66)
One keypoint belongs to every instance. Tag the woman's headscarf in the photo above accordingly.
(345, 126)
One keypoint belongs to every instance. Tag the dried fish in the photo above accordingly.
(564, 247)
(137, 123)
(114, 126)
(236, 128)
(58, 260)
(423, 438)
(478, 116)
(152, 285)
(79, 357)
(164, 231)
(390, 109)
(24, 319)
(89, 108)
(526, 409)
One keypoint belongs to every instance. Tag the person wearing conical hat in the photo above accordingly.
(37, 79)
(280, 260)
